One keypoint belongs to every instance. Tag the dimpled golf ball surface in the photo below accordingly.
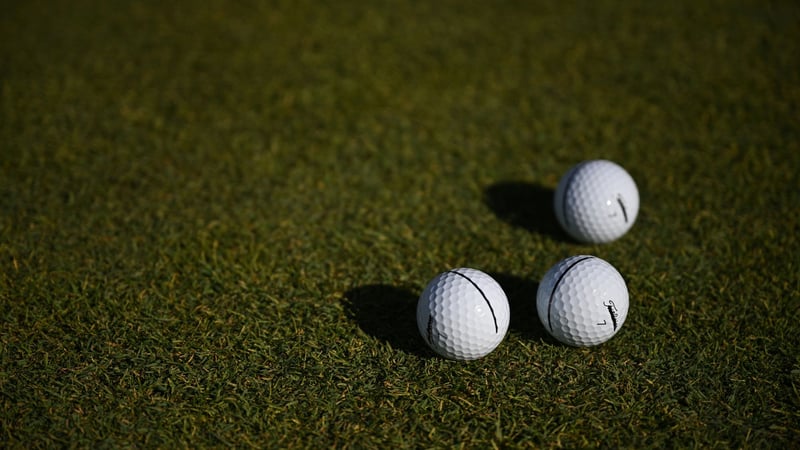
(596, 201)
(582, 301)
(463, 314)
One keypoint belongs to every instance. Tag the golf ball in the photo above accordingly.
(463, 314)
(582, 301)
(596, 201)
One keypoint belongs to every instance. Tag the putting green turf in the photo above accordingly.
(215, 221)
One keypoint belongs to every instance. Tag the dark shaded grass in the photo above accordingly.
(215, 222)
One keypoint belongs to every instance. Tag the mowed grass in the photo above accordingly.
(215, 221)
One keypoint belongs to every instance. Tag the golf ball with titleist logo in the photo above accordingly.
(596, 201)
(463, 314)
(582, 301)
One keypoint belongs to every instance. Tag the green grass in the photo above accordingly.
(215, 221)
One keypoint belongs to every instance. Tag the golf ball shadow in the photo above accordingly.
(387, 313)
(525, 205)
(521, 293)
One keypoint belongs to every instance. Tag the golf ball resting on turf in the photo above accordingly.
(596, 201)
(582, 301)
(463, 314)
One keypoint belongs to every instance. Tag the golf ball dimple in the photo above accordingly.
(582, 301)
(463, 314)
(596, 201)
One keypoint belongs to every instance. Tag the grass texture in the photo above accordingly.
(215, 220)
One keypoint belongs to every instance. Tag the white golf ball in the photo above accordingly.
(463, 314)
(582, 301)
(596, 201)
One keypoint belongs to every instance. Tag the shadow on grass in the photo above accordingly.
(521, 293)
(388, 313)
(525, 205)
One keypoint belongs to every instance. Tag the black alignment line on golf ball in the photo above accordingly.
(555, 287)
(564, 195)
(496, 328)
(622, 205)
